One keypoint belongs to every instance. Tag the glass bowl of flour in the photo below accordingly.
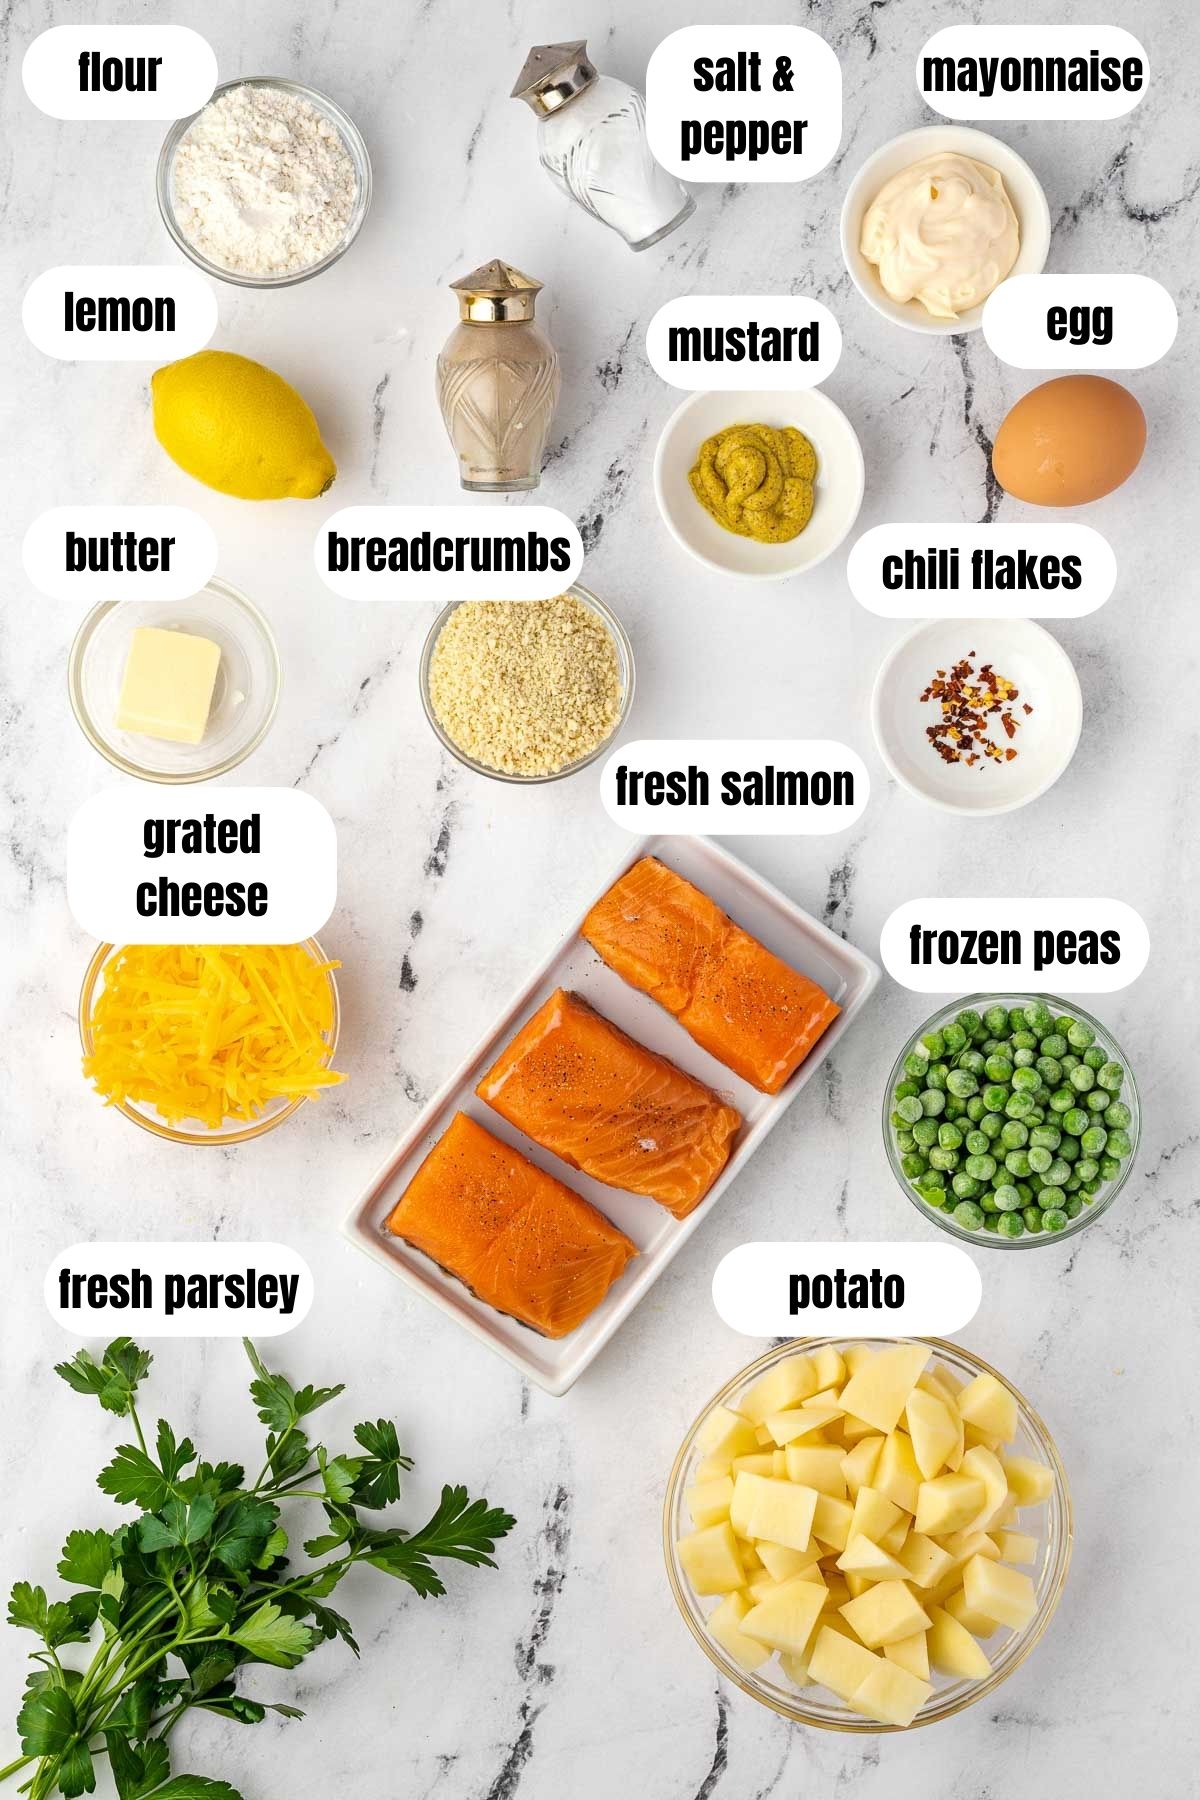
(267, 185)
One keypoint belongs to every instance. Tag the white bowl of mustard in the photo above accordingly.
(912, 149)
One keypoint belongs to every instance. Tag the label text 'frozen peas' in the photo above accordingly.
(179, 1290)
(1091, 946)
(725, 340)
(119, 553)
(241, 866)
(1032, 71)
(936, 571)
(801, 1289)
(119, 71)
(1080, 321)
(744, 103)
(445, 553)
(734, 786)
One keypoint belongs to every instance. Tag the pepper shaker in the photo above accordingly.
(592, 143)
(498, 381)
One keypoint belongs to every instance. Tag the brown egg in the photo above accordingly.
(1069, 441)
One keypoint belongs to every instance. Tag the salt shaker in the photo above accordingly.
(498, 381)
(592, 143)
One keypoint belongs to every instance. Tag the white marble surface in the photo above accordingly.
(566, 1671)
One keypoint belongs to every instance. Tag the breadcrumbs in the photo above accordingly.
(525, 686)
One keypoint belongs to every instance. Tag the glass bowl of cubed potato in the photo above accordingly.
(867, 1535)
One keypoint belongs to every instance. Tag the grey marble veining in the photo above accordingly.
(566, 1671)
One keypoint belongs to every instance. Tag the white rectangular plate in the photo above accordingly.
(555, 1363)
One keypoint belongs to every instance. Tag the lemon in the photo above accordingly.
(240, 428)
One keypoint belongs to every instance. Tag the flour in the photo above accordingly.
(263, 183)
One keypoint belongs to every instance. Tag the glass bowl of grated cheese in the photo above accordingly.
(527, 691)
(159, 1033)
(247, 212)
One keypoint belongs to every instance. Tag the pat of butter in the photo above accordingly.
(168, 684)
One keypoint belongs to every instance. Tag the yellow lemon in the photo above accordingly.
(240, 428)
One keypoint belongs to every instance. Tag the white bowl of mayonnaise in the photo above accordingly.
(935, 220)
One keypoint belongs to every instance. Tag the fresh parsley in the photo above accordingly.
(178, 1602)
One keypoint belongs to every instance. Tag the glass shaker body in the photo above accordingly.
(498, 386)
(595, 149)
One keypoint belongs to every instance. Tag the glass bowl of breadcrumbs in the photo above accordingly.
(527, 690)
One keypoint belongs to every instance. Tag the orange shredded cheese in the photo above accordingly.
(212, 1032)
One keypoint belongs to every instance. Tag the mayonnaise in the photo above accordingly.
(943, 232)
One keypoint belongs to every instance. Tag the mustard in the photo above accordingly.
(757, 481)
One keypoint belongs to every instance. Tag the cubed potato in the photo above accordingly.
(856, 1585)
(708, 1501)
(831, 1521)
(819, 1467)
(763, 1436)
(837, 1592)
(1016, 1546)
(982, 1465)
(854, 1356)
(787, 1384)
(858, 1464)
(978, 1624)
(759, 1586)
(782, 1511)
(874, 1514)
(952, 1649)
(975, 1434)
(947, 1503)
(887, 1612)
(785, 1618)
(761, 1462)
(963, 1545)
(711, 1561)
(725, 1626)
(854, 1430)
(865, 1559)
(891, 1695)
(746, 1485)
(998, 1592)
(933, 1431)
(988, 1404)
(896, 1473)
(711, 1468)
(911, 1653)
(925, 1562)
(751, 1561)
(726, 1433)
(829, 1396)
(781, 1562)
(830, 1366)
(893, 1539)
(800, 1421)
(1029, 1482)
(840, 1664)
(796, 1670)
(779, 1465)
(879, 1388)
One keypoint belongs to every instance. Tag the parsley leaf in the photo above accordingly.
(377, 1483)
(76, 1771)
(114, 1379)
(47, 1722)
(87, 1557)
(134, 1479)
(463, 1529)
(272, 1636)
(280, 1405)
(242, 1533)
(195, 1787)
(180, 1524)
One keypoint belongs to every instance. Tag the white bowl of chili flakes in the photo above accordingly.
(977, 715)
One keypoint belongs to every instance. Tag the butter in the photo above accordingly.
(168, 684)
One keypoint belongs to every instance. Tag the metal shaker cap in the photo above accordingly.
(496, 293)
(554, 74)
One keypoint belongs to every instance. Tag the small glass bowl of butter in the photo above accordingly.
(146, 676)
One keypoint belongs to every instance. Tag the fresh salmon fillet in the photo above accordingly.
(738, 1001)
(576, 1084)
(524, 1242)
